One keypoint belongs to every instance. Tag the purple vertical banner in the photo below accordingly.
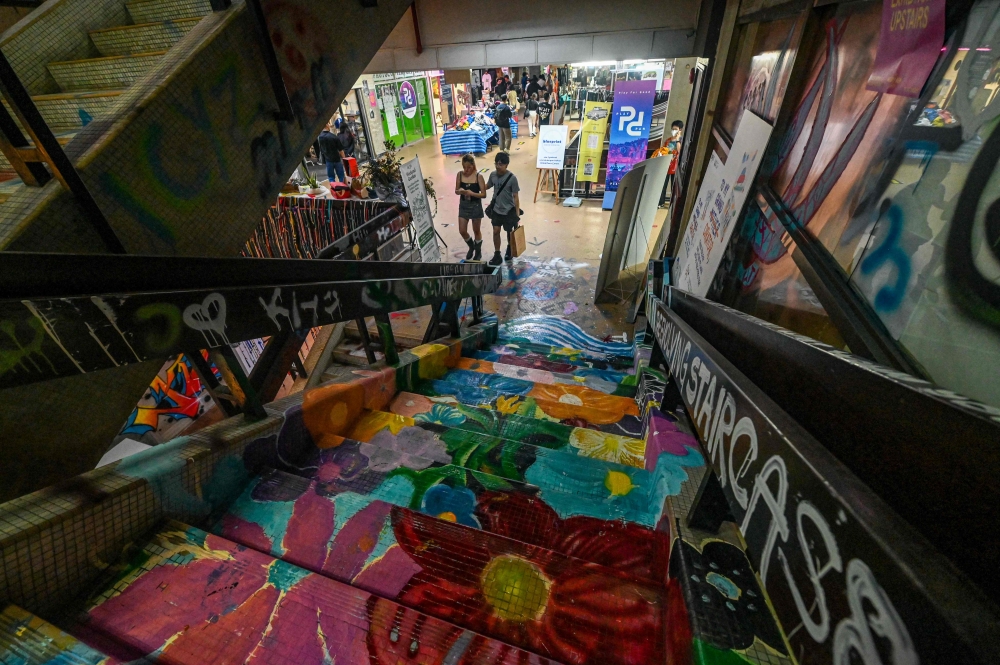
(630, 120)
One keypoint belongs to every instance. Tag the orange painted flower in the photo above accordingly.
(564, 401)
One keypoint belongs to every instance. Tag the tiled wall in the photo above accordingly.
(58, 31)
(126, 40)
(151, 11)
(170, 184)
(115, 73)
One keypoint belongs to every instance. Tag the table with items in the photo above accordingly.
(473, 133)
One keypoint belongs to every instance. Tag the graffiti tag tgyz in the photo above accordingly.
(838, 592)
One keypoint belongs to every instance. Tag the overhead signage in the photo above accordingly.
(551, 146)
(822, 544)
(630, 121)
(595, 128)
(416, 196)
(721, 196)
(908, 46)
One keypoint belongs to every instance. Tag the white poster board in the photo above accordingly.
(416, 196)
(389, 106)
(720, 199)
(551, 146)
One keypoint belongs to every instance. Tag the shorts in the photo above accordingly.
(508, 220)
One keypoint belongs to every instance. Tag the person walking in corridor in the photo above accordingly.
(471, 189)
(532, 116)
(502, 116)
(544, 109)
(333, 153)
(505, 208)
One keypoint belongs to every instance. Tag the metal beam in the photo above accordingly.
(47, 337)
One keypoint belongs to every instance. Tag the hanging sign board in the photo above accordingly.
(720, 199)
(630, 121)
(908, 46)
(551, 146)
(595, 127)
(416, 196)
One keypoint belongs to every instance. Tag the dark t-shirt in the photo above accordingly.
(544, 111)
(533, 87)
(503, 115)
(501, 88)
(532, 105)
(330, 145)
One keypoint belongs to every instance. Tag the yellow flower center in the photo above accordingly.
(618, 483)
(516, 589)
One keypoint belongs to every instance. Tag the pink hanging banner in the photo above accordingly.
(909, 45)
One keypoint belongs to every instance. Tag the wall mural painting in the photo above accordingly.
(174, 400)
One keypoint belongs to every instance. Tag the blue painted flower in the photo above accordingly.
(454, 504)
(441, 414)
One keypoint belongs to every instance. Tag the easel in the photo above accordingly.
(548, 183)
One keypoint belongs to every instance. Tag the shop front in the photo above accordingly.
(404, 102)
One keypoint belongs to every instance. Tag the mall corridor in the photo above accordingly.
(731, 398)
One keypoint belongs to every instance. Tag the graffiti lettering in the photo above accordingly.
(764, 520)
(889, 297)
(12, 358)
(870, 609)
(274, 310)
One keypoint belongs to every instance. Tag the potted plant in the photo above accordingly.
(312, 185)
(382, 174)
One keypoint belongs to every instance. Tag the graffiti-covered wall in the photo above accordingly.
(194, 156)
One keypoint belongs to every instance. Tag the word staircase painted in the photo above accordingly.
(499, 498)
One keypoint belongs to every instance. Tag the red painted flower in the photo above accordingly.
(560, 607)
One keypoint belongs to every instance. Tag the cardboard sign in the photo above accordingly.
(416, 196)
(551, 146)
(909, 45)
(720, 199)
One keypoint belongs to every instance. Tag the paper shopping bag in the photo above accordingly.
(517, 243)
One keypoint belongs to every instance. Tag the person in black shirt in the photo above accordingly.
(533, 87)
(544, 109)
(502, 116)
(502, 86)
(333, 152)
(346, 137)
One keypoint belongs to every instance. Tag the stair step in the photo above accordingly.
(606, 381)
(622, 449)
(563, 355)
(574, 405)
(142, 38)
(193, 597)
(154, 11)
(574, 484)
(116, 72)
(25, 639)
(456, 573)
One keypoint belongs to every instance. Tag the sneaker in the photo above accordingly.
(496, 260)
(507, 255)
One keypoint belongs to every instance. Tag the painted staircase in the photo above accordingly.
(497, 498)
(91, 88)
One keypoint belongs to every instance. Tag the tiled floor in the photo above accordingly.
(558, 273)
